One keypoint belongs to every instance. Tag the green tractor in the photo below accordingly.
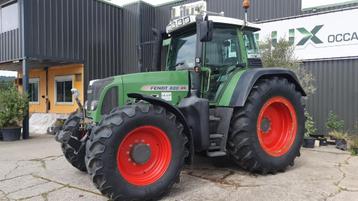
(136, 132)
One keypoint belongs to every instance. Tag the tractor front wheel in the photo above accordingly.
(267, 133)
(71, 130)
(136, 153)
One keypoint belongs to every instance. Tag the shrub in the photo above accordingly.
(334, 123)
(310, 128)
(282, 55)
(13, 107)
(339, 135)
(353, 144)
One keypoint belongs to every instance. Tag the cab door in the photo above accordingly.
(222, 57)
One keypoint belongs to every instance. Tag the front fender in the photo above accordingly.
(251, 76)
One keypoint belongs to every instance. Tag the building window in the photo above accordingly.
(9, 17)
(34, 91)
(63, 86)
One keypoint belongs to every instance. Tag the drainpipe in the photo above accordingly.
(25, 70)
(46, 95)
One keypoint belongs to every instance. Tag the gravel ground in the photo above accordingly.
(36, 170)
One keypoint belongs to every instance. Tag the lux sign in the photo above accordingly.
(327, 35)
(307, 36)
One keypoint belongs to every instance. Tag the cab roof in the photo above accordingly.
(233, 21)
(180, 23)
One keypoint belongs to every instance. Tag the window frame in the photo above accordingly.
(8, 3)
(62, 78)
(33, 81)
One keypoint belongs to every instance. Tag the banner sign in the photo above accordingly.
(329, 35)
(312, 4)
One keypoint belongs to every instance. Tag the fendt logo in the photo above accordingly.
(310, 35)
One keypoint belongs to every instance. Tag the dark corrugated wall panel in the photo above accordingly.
(147, 16)
(81, 31)
(337, 91)
(130, 37)
(10, 46)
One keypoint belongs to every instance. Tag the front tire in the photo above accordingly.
(267, 133)
(136, 153)
(71, 129)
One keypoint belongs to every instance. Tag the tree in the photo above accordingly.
(282, 54)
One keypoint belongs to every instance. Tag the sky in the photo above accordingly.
(8, 73)
(152, 2)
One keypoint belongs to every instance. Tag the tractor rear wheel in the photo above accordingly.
(71, 129)
(267, 133)
(136, 153)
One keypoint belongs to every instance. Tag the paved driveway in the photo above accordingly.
(36, 170)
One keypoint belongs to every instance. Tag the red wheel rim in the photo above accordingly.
(277, 126)
(156, 165)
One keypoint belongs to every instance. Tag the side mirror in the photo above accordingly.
(206, 31)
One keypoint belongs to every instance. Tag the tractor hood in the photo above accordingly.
(105, 94)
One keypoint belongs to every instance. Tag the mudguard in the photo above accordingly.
(250, 77)
(176, 112)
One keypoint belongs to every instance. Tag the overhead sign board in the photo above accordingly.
(312, 4)
(329, 35)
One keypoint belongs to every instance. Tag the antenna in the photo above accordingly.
(246, 6)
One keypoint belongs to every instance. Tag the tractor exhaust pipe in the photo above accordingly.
(157, 52)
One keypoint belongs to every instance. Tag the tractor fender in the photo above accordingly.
(180, 116)
(251, 76)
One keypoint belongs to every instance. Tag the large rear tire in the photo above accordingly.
(136, 153)
(267, 133)
(71, 128)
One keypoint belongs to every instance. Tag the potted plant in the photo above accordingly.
(353, 142)
(308, 140)
(13, 107)
(340, 138)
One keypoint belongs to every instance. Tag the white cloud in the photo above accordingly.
(8, 73)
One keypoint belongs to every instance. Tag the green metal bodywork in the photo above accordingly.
(171, 86)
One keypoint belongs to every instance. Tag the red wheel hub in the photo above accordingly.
(144, 155)
(277, 126)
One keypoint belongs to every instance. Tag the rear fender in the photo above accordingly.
(251, 76)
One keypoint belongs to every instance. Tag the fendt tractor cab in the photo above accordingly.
(136, 131)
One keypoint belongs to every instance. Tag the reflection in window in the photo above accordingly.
(9, 18)
(34, 90)
(63, 89)
(182, 51)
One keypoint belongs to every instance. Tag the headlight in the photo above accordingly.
(94, 105)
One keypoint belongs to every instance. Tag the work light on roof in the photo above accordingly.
(195, 8)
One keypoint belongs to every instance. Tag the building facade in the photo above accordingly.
(59, 44)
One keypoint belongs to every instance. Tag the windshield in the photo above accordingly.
(182, 52)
